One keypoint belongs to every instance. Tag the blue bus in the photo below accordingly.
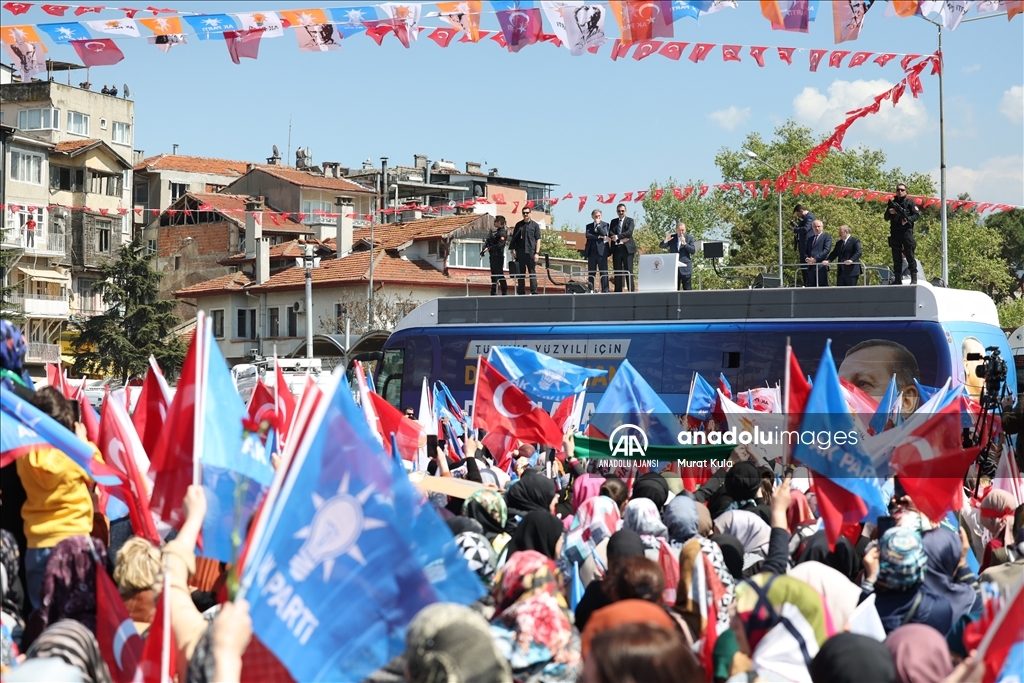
(667, 336)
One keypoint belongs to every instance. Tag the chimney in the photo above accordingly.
(472, 167)
(419, 160)
(346, 226)
(253, 225)
(249, 167)
(137, 156)
(174, 149)
(493, 172)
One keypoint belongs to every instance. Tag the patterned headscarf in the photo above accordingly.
(12, 352)
(478, 553)
(902, 560)
(596, 520)
(997, 515)
(71, 641)
(487, 506)
(642, 516)
(69, 581)
(9, 557)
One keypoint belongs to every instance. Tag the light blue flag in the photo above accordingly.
(211, 26)
(702, 400)
(349, 20)
(630, 400)
(64, 32)
(578, 589)
(885, 408)
(684, 8)
(812, 9)
(845, 463)
(333, 582)
(542, 378)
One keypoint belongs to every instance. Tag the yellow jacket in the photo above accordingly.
(58, 502)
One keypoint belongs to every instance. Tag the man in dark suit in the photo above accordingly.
(682, 243)
(597, 250)
(846, 256)
(623, 249)
(523, 248)
(819, 245)
(803, 227)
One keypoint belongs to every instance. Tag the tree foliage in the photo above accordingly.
(551, 243)
(1009, 225)
(137, 323)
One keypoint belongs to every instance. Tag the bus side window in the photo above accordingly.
(389, 379)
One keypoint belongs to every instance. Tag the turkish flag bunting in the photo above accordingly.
(467, 39)
(619, 49)
(678, 193)
(606, 200)
(640, 196)
(499, 38)
(56, 10)
(17, 7)
(115, 628)
(836, 58)
(786, 54)
(757, 52)
(628, 197)
(97, 51)
(731, 53)
(882, 60)
(82, 9)
(658, 194)
(583, 201)
(378, 30)
(700, 51)
(498, 405)
(646, 48)
(816, 56)
(442, 36)
(907, 59)
(515, 207)
(673, 50)
(858, 59)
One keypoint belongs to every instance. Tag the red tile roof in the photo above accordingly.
(232, 207)
(177, 162)
(232, 282)
(391, 235)
(304, 179)
(285, 250)
(72, 145)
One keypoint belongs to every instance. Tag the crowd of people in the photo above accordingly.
(592, 574)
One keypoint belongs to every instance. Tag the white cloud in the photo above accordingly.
(1012, 104)
(730, 118)
(999, 180)
(824, 112)
(970, 69)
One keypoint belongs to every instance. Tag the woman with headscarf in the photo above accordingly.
(799, 512)
(447, 642)
(844, 558)
(686, 519)
(70, 641)
(479, 554)
(487, 507)
(896, 575)
(920, 654)
(622, 613)
(839, 595)
(540, 531)
(761, 605)
(743, 484)
(732, 553)
(653, 487)
(640, 652)
(623, 544)
(642, 516)
(531, 624)
(853, 658)
(533, 492)
(586, 544)
(949, 577)
(752, 531)
(997, 517)
(461, 525)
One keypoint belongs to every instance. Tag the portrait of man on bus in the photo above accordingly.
(973, 383)
(870, 365)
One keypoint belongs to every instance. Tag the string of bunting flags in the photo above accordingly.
(580, 27)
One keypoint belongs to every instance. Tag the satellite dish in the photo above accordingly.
(127, 92)
(277, 152)
(451, 203)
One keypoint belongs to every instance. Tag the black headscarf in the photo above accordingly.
(532, 492)
(743, 481)
(652, 486)
(625, 543)
(460, 525)
(845, 558)
(852, 658)
(732, 553)
(540, 531)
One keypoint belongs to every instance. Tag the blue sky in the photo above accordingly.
(589, 124)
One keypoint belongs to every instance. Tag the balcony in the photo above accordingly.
(43, 353)
(42, 244)
(41, 305)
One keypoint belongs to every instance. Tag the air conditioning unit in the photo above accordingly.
(299, 307)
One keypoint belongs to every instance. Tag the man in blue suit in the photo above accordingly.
(846, 255)
(597, 251)
(819, 245)
(682, 243)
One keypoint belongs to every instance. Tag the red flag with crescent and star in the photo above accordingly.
(499, 405)
(98, 51)
(119, 641)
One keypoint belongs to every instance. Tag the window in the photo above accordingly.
(293, 322)
(177, 263)
(246, 323)
(315, 209)
(340, 313)
(78, 123)
(26, 167)
(178, 191)
(69, 179)
(218, 323)
(274, 320)
(103, 236)
(466, 254)
(17, 219)
(121, 133)
(103, 124)
(89, 296)
(150, 247)
(39, 119)
(109, 185)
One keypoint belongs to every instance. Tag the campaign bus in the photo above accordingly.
(667, 336)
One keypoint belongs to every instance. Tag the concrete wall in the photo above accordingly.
(158, 183)
(280, 194)
(19, 96)
(186, 263)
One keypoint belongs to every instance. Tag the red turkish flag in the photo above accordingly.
(377, 30)
(816, 56)
(628, 197)
(836, 58)
(409, 434)
(515, 207)
(17, 7)
(583, 201)
(858, 59)
(501, 446)
(243, 44)
(700, 51)
(284, 401)
(499, 38)
(82, 9)
(160, 645)
(120, 644)
(442, 36)
(646, 48)
(151, 408)
(931, 462)
(498, 405)
(130, 12)
(731, 53)
(56, 10)
(786, 54)
(601, 198)
(467, 39)
(839, 509)
(673, 50)
(97, 51)
(261, 405)
(678, 193)
(907, 59)
(882, 60)
(619, 49)
(757, 52)
(640, 196)
(658, 194)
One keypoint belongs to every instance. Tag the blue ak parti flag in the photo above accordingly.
(925, 392)
(333, 582)
(702, 399)
(542, 378)
(211, 26)
(63, 33)
(885, 408)
(846, 463)
(24, 428)
(349, 20)
(578, 589)
(236, 466)
(629, 399)
(684, 8)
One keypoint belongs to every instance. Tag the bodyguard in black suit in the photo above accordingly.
(846, 255)
(623, 248)
(803, 227)
(682, 243)
(597, 251)
(819, 245)
(523, 248)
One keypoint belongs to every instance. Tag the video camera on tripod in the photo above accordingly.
(992, 369)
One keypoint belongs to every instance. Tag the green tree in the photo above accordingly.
(1010, 226)
(976, 252)
(551, 242)
(137, 323)
(9, 309)
(1011, 313)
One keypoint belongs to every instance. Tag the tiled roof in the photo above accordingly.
(285, 250)
(72, 145)
(232, 282)
(304, 179)
(390, 235)
(177, 162)
(232, 207)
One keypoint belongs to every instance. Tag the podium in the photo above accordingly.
(658, 273)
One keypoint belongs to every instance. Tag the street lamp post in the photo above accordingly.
(310, 261)
(754, 156)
